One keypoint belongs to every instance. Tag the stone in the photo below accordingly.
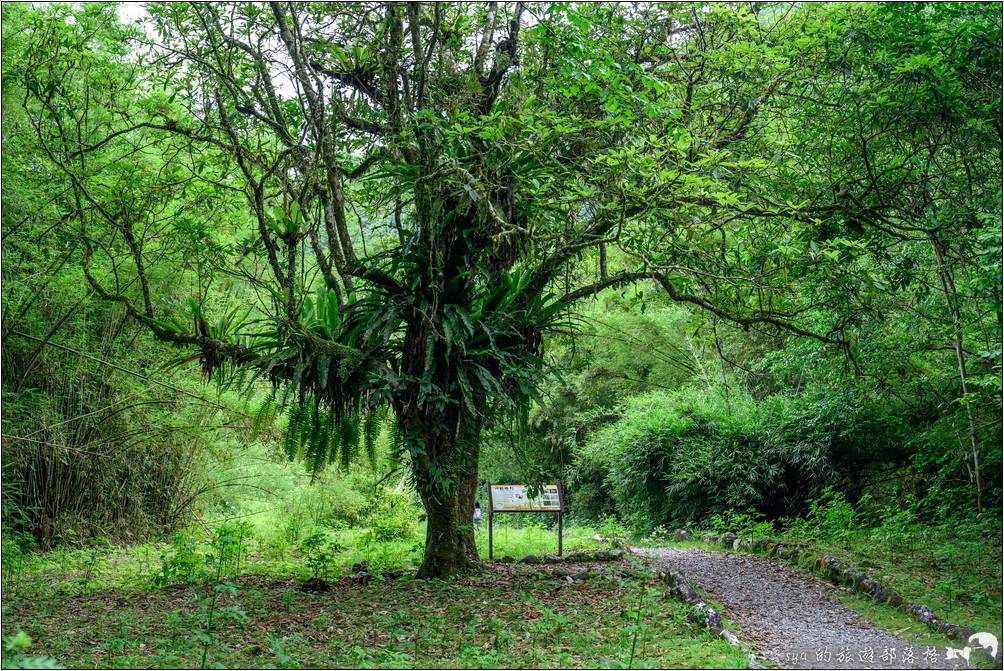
(851, 577)
(530, 559)
(874, 588)
(608, 555)
(681, 535)
(713, 621)
(964, 633)
(921, 612)
(728, 539)
(573, 572)
(710, 537)
(758, 544)
(550, 558)
(579, 556)
(733, 640)
(360, 566)
(782, 551)
(315, 585)
(360, 578)
(684, 592)
(679, 587)
(955, 632)
(832, 567)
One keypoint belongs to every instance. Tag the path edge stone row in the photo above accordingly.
(845, 574)
(705, 615)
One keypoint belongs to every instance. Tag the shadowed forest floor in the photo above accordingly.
(510, 615)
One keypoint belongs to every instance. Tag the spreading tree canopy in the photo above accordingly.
(399, 198)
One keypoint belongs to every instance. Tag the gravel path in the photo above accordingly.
(790, 620)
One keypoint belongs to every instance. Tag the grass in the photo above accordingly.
(959, 577)
(98, 605)
(534, 540)
(510, 616)
(915, 574)
(76, 571)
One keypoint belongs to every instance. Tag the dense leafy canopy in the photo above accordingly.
(403, 213)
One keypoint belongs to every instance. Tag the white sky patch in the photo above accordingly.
(131, 11)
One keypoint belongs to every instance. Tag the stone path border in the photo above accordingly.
(846, 574)
(679, 588)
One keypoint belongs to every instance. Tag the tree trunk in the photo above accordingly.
(446, 477)
(952, 297)
(449, 534)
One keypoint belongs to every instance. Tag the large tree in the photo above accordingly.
(412, 189)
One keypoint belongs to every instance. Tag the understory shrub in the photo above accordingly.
(749, 524)
(679, 458)
(190, 557)
(319, 551)
(832, 515)
(392, 517)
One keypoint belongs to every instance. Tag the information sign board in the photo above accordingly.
(516, 499)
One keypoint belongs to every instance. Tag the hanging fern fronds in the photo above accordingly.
(291, 444)
(371, 432)
(396, 440)
(317, 444)
(334, 436)
(264, 417)
(350, 438)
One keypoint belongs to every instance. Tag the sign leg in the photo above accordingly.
(559, 533)
(491, 549)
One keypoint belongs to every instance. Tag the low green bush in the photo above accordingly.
(392, 517)
(181, 561)
(749, 524)
(831, 514)
(15, 655)
(319, 551)
(678, 458)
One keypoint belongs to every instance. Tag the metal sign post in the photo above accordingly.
(516, 499)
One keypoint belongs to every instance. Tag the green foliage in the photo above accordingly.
(318, 551)
(803, 225)
(748, 525)
(675, 459)
(229, 546)
(391, 517)
(16, 549)
(181, 561)
(318, 437)
(15, 654)
(188, 558)
(832, 515)
(612, 531)
(659, 536)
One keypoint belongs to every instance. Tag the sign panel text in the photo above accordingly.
(516, 498)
